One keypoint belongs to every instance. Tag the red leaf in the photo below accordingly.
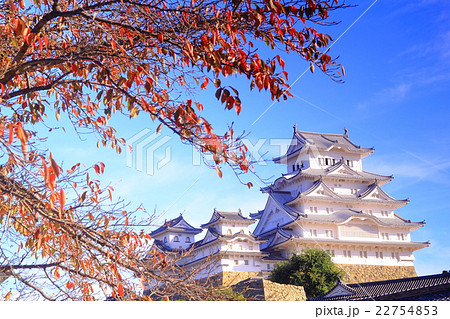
(120, 289)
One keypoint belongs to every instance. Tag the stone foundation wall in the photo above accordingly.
(366, 273)
(258, 289)
(231, 278)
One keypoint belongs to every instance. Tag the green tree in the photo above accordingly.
(313, 269)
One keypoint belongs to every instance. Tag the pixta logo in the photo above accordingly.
(148, 151)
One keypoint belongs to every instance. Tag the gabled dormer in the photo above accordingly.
(228, 223)
(321, 150)
(176, 233)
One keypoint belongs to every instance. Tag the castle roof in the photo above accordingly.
(323, 142)
(426, 288)
(176, 225)
(224, 217)
(281, 235)
(374, 189)
(340, 170)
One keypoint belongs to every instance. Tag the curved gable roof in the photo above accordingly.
(178, 224)
(221, 216)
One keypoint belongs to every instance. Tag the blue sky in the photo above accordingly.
(395, 98)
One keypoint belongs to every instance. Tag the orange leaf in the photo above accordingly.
(219, 172)
(56, 273)
(158, 130)
(120, 289)
(62, 198)
(8, 295)
(11, 133)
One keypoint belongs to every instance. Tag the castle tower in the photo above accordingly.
(326, 200)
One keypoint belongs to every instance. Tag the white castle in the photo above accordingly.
(325, 200)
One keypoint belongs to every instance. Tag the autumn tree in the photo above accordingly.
(312, 268)
(91, 60)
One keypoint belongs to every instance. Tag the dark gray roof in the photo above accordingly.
(348, 198)
(343, 215)
(323, 141)
(432, 287)
(257, 215)
(227, 216)
(176, 224)
(330, 172)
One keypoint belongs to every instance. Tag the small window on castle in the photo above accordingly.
(229, 232)
(176, 239)
(363, 254)
(329, 233)
(246, 262)
(313, 232)
(188, 239)
(347, 253)
(165, 239)
(236, 262)
(268, 267)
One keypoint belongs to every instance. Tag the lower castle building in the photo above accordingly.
(325, 200)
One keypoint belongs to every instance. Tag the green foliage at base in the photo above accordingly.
(226, 293)
(313, 269)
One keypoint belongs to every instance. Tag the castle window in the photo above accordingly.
(313, 232)
(188, 239)
(400, 236)
(385, 236)
(379, 255)
(363, 254)
(236, 262)
(268, 267)
(165, 239)
(246, 262)
(176, 239)
(329, 233)
(229, 232)
(347, 253)
(329, 210)
(313, 209)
